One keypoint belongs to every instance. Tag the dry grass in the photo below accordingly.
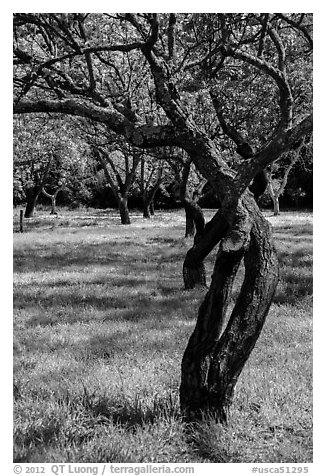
(101, 321)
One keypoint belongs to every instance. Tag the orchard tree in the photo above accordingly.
(33, 158)
(48, 158)
(149, 180)
(279, 172)
(119, 162)
(53, 197)
(120, 166)
(71, 63)
(187, 188)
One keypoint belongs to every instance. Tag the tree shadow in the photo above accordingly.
(296, 279)
(70, 305)
(132, 413)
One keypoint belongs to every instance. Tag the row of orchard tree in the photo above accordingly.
(72, 162)
(84, 163)
(227, 94)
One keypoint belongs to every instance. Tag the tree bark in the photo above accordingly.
(276, 205)
(195, 221)
(53, 205)
(195, 224)
(32, 196)
(219, 347)
(259, 184)
(193, 267)
(124, 211)
(146, 210)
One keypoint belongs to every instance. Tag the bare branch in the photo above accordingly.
(280, 143)
(275, 37)
(243, 147)
(298, 26)
(143, 136)
(171, 34)
(264, 22)
(285, 100)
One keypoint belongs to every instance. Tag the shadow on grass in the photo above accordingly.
(294, 230)
(296, 279)
(62, 257)
(40, 259)
(78, 419)
(153, 266)
(128, 413)
(94, 301)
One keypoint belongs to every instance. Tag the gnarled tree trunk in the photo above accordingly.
(210, 235)
(216, 354)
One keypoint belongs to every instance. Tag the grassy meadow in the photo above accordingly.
(101, 321)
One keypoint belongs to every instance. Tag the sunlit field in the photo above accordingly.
(101, 321)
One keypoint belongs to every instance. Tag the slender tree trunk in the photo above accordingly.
(194, 275)
(124, 211)
(276, 205)
(146, 208)
(21, 221)
(218, 350)
(275, 199)
(148, 200)
(53, 205)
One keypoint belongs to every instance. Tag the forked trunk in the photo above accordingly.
(219, 347)
(124, 211)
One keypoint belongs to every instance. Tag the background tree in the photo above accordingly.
(279, 172)
(150, 178)
(53, 197)
(48, 154)
(69, 59)
(33, 158)
(188, 188)
(119, 162)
